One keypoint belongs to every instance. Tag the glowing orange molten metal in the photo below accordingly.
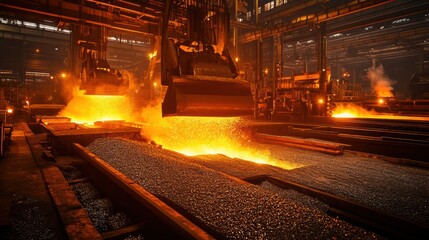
(90, 108)
(187, 135)
(206, 135)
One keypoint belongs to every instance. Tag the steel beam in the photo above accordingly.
(311, 19)
(82, 14)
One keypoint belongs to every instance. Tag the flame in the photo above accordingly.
(187, 135)
(351, 111)
(355, 111)
(205, 135)
(91, 108)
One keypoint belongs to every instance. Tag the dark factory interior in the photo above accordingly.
(214, 119)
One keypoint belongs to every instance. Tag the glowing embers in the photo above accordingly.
(355, 111)
(91, 108)
(208, 135)
(350, 111)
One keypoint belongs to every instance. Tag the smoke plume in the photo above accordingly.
(381, 84)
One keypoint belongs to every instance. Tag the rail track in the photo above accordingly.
(356, 213)
(154, 218)
(151, 217)
(148, 216)
(393, 138)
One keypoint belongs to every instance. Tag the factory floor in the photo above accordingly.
(26, 209)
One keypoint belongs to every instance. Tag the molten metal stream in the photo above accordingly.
(187, 135)
(209, 135)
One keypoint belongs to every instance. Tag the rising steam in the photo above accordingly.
(381, 84)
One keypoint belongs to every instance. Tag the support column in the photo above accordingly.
(278, 68)
(235, 32)
(164, 41)
(22, 63)
(273, 65)
(256, 12)
(374, 62)
(321, 42)
(258, 73)
(75, 66)
(321, 55)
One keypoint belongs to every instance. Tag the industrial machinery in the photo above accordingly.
(419, 86)
(197, 67)
(91, 67)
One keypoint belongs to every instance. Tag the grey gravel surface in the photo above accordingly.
(71, 173)
(134, 237)
(226, 208)
(28, 220)
(305, 200)
(400, 190)
(100, 210)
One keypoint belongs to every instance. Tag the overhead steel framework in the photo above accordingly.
(309, 18)
(123, 15)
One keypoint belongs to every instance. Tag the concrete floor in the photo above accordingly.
(32, 213)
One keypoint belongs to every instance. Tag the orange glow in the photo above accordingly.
(321, 101)
(90, 108)
(355, 111)
(187, 135)
(152, 55)
(9, 110)
(351, 111)
(63, 75)
(381, 101)
(205, 135)
(380, 83)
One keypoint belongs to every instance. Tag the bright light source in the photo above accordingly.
(380, 101)
(152, 55)
(63, 75)
(155, 84)
(236, 59)
(9, 110)
(321, 101)
(51, 77)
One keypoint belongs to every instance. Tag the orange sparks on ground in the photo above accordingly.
(351, 111)
(187, 135)
(206, 135)
(355, 111)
